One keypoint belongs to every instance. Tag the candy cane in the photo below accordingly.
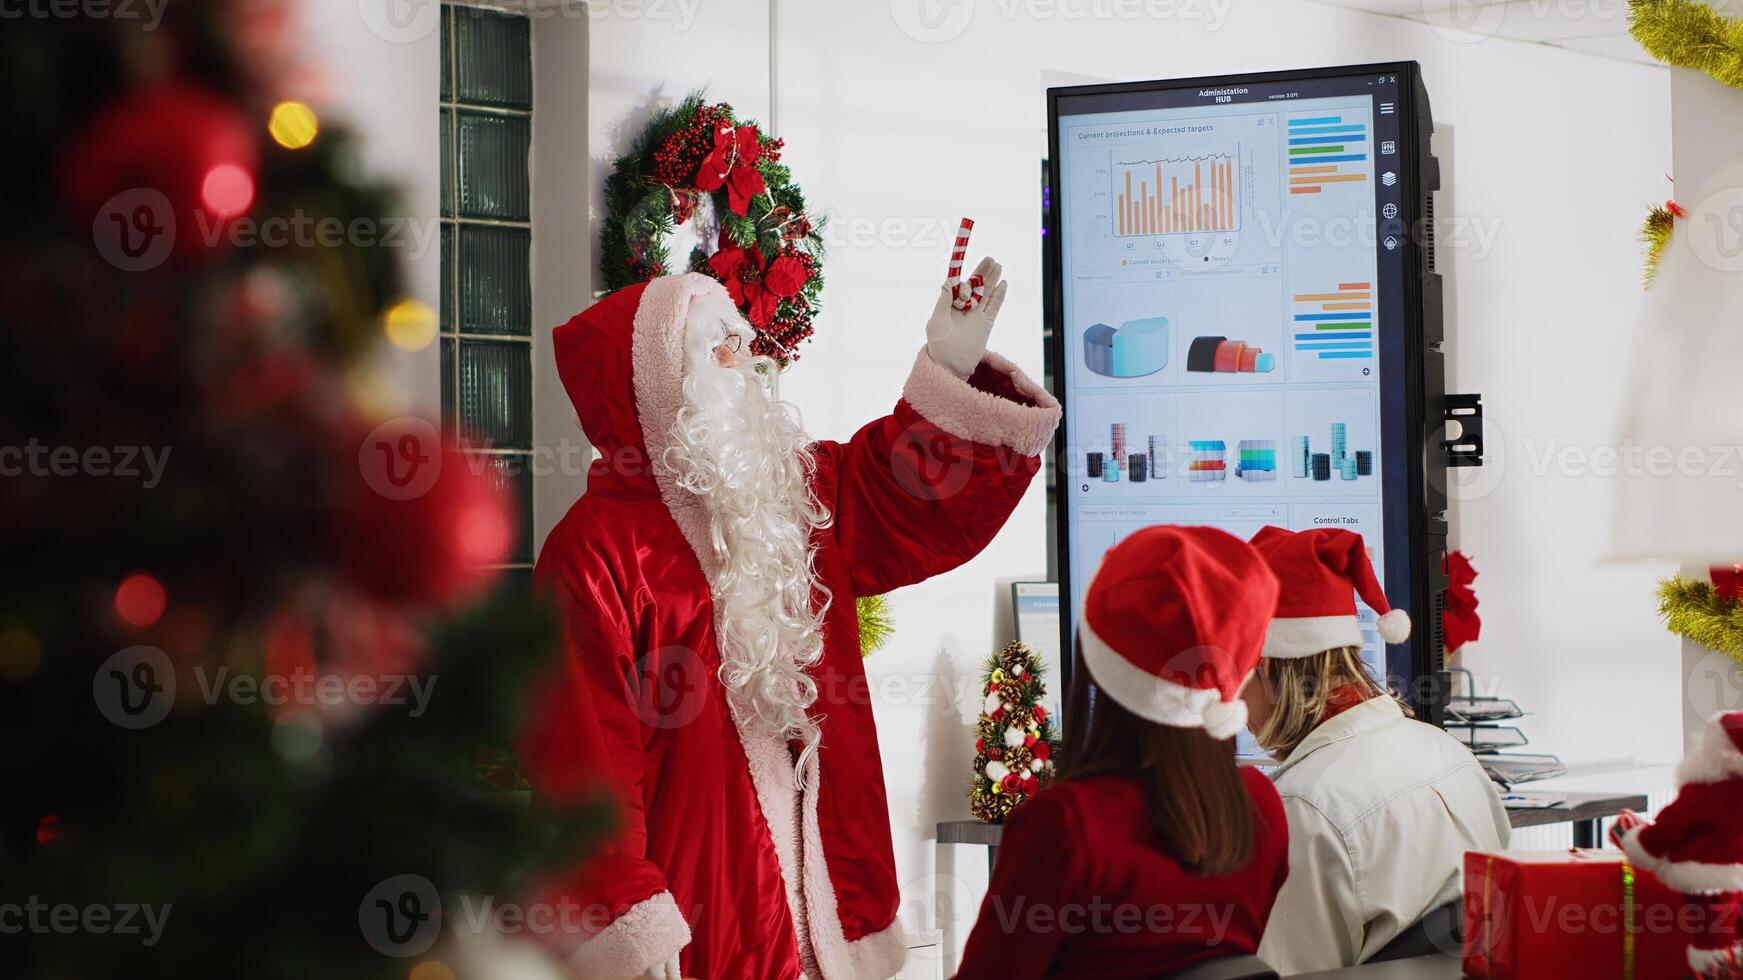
(964, 296)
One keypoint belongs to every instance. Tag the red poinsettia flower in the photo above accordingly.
(733, 164)
(755, 289)
(1012, 783)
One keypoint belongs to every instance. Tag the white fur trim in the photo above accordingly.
(649, 932)
(874, 957)
(1687, 877)
(657, 362)
(1394, 626)
(1715, 760)
(1704, 960)
(966, 412)
(1306, 636)
(1154, 699)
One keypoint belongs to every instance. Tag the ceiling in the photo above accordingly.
(1597, 27)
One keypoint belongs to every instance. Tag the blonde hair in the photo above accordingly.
(1301, 690)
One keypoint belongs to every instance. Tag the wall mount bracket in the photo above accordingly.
(1467, 448)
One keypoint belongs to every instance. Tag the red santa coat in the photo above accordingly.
(1695, 845)
(1082, 890)
(718, 847)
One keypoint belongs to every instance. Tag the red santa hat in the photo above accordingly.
(1326, 568)
(1173, 624)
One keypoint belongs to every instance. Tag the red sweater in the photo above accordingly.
(1081, 889)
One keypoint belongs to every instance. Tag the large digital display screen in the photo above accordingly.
(1231, 305)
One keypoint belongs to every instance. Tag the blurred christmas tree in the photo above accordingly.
(1014, 739)
(250, 642)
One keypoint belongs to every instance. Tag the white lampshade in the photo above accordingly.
(1680, 451)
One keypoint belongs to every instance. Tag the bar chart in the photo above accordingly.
(1326, 150)
(1176, 195)
(1337, 324)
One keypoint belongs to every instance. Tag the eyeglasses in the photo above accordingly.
(733, 342)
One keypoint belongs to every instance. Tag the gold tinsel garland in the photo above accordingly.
(1020, 764)
(1690, 34)
(1693, 609)
(876, 623)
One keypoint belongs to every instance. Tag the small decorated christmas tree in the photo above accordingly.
(1014, 738)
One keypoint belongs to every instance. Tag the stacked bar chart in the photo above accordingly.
(1176, 196)
(1326, 150)
(1337, 324)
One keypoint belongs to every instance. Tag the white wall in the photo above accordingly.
(373, 67)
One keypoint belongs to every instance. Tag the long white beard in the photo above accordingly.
(748, 459)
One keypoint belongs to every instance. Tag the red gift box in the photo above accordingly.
(1588, 915)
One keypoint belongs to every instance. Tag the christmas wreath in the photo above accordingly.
(1690, 34)
(698, 160)
(1709, 613)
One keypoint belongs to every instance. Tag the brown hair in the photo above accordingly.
(1301, 690)
(1198, 804)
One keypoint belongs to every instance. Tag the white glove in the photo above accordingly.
(663, 971)
(957, 338)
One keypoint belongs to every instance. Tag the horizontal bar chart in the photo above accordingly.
(1325, 151)
(1336, 324)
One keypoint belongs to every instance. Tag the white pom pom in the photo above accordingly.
(997, 771)
(1016, 670)
(1013, 737)
(992, 703)
(1035, 765)
(1394, 626)
(1225, 719)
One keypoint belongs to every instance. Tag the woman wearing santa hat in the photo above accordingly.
(1155, 851)
(1696, 847)
(1382, 808)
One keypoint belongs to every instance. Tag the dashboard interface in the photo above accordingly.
(1231, 289)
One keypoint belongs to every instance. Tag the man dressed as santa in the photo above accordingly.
(711, 682)
(1696, 847)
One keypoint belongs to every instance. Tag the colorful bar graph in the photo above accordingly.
(1337, 324)
(1178, 196)
(1321, 150)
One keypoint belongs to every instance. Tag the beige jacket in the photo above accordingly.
(1381, 809)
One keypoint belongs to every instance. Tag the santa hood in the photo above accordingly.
(621, 361)
(1719, 757)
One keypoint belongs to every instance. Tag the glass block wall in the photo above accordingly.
(486, 308)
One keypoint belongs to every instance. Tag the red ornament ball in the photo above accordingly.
(140, 600)
(419, 522)
(174, 143)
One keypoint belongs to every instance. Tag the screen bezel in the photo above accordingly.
(1414, 668)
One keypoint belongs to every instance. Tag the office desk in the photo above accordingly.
(1421, 968)
(1586, 811)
